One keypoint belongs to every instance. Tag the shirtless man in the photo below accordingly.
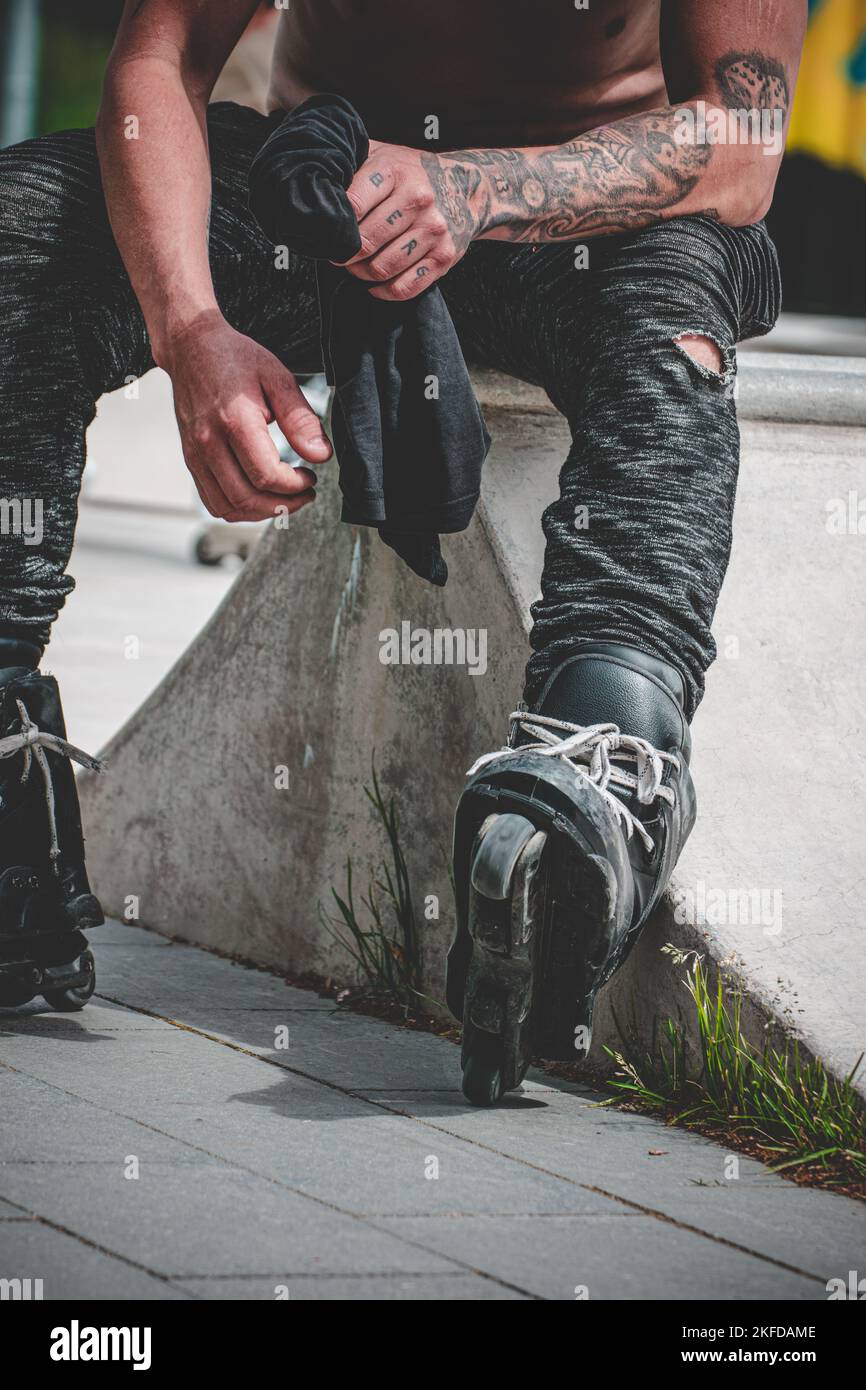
(505, 137)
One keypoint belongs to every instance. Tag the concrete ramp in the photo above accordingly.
(235, 793)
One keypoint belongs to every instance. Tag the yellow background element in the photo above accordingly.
(829, 116)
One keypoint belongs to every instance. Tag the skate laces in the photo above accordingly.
(589, 750)
(32, 741)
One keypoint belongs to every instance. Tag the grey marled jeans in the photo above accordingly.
(655, 442)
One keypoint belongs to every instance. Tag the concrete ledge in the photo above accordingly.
(191, 823)
(786, 387)
(830, 334)
(802, 389)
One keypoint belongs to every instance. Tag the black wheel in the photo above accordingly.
(482, 1071)
(70, 998)
(203, 553)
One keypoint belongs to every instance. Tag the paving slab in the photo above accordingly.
(241, 988)
(103, 1019)
(72, 1269)
(71, 1130)
(336, 1153)
(685, 1177)
(562, 1256)
(210, 1220)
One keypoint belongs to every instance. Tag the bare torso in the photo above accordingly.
(494, 72)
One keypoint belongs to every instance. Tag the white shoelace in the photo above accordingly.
(33, 741)
(588, 749)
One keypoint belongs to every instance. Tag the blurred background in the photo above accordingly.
(141, 522)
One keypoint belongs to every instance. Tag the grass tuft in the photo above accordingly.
(379, 930)
(786, 1109)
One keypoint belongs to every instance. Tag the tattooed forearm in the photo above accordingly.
(616, 178)
(609, 180)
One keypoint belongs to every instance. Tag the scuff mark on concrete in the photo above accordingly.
(346, 606)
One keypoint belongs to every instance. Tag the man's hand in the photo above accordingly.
(227, 390)
(416, 220)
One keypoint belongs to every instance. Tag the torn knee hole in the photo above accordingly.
(707, 353)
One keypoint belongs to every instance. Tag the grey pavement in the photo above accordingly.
(140, 600)
(204, 1131)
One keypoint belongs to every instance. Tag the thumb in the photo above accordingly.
(295, 417)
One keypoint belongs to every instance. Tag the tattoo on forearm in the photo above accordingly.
(608, 180)
(613, 179)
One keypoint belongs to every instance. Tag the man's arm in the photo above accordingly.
(737, 60)
(153, 152)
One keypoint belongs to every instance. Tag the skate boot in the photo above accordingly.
(564, 841)
(45, 898)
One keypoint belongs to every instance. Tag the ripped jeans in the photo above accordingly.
(638, 541)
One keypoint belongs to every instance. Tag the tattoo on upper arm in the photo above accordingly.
(752, 82)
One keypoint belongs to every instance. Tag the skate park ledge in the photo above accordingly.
(236, 793)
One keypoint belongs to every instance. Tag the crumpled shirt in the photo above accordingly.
(409, 435)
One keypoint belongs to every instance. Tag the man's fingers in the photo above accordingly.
(386, 221)
(259, 458)
(407, 286)
(398, 256)
(213, 456)
(296, 418)
(266, 505)
(372, 184)
(211, 494)
(262, 506)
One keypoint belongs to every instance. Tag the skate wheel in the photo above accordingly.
(71, 998)
(482, 1074)
(498, 854)
(204, 555)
